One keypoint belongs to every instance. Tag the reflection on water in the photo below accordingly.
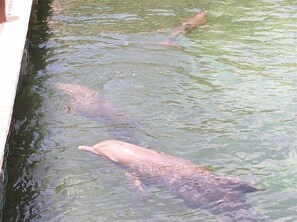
(224, 95)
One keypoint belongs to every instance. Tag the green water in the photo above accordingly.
(224, 96)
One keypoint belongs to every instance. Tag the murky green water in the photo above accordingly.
(223, 96)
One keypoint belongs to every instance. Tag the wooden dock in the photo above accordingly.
(14, 18)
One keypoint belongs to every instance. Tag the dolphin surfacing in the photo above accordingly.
(190, 24)
(222, 196)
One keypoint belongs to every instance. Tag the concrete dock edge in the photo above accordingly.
(12, 41)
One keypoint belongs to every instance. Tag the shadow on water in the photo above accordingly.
(24, 143)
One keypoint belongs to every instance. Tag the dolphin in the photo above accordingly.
(190, 24)
(224, 197)
(90, 104)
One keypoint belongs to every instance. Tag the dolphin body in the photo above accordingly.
(222, 196)
(90, 104)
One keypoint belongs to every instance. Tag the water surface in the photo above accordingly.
(224, 96)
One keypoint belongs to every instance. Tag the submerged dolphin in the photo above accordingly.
(199, 188)
(90, 104)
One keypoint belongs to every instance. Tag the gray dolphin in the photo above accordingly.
(90, 104)
(222, 196)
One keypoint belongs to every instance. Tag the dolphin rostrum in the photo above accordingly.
(224, 197)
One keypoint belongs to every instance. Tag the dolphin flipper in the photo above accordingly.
(137, 186)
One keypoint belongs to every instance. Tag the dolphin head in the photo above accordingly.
(101, 150)
(121, 152)
(75, 90)
(197, 20)
(68, 88)
(111, 150)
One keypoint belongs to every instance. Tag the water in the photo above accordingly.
(224, 96)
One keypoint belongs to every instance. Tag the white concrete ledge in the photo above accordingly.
(12, 41)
